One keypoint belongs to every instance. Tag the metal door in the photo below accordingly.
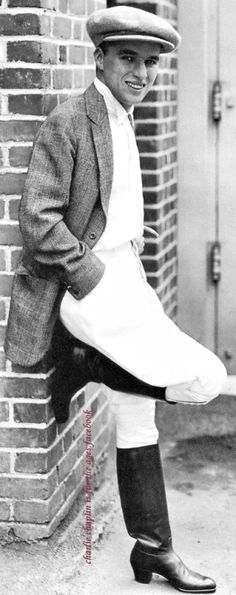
(207, 174)
(225, 338)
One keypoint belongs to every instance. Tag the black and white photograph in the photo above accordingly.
(117, 297)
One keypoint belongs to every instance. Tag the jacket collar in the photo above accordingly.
(101, 132)
(95, 105)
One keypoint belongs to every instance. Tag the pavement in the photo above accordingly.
(198, 447)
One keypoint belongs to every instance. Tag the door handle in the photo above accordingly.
(216, 104)
(216, 262)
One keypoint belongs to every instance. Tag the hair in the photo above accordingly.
(104, 46)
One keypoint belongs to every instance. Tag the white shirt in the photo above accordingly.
(125, 214)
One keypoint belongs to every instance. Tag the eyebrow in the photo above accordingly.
(125, 51)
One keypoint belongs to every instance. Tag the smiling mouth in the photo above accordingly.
(136, 86)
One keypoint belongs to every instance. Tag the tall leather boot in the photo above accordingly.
(89, 365)
(144, 506)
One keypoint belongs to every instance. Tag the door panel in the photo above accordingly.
(207, 174)
(227, 185)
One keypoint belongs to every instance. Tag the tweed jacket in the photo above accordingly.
(63, 213)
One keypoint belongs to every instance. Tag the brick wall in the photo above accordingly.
(156, 132)
(45, 55)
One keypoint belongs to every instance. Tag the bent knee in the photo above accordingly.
(211, 382)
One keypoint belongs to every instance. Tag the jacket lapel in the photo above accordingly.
(97, 113)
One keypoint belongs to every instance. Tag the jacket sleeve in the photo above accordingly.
(45, 200)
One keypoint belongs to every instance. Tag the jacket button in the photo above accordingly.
(92, 235)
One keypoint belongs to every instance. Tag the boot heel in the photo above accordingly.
(142, 576)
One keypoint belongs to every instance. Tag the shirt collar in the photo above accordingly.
(114, 107)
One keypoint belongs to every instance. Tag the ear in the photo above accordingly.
(98, 56)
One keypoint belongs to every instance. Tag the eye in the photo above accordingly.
(151, 63)
(128, 58)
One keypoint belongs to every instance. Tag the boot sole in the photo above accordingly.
(209, 590)
(145, 577)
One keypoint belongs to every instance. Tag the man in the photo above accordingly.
(81, 219)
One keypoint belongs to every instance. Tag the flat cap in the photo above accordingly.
(125, 22)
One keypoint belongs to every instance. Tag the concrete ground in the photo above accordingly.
(199, 458)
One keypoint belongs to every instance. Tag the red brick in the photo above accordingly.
(99, 421)
(24, 51)
(49, 5)
(32, 51)
(19, 130)
(62, 54)
(151, 248)
(25, 104)
(78, 79)
(148, 129)
(48, 103)
(31, 512)
(76, 55)
(71, 483)
(20, 437)
(151, 214)
(6, 285)
(63, 5)
(35, 413)
(2, 208)
(62, 27)
(4, 411)
(150, 145)
(76, 405)
(153, 196)
(89, 76)
(150, 180)
(78, 472)
(39, 512)
(2, 260)
(2, 310)
(2, 361)
(20, 24)
(24, 78)
(10, 234)
(56, 501)
(19, 157)
(77, 7)
(38, 462)
(66, 465)
(24, 3)
(22, 488)
(2, 335)
(146, 111)
(90, 57)
(5, 462)
(149, 162)
(72, 434)
(63, 97)
(5, 511)
(15, 256)
(12, 183)
(32, 104)
(62, 79)
(25, 388)
(77, 30)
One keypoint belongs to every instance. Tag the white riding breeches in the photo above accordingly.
(134, 419)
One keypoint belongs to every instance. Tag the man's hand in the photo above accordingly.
(140, 243)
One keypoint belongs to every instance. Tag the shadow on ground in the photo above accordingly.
(199, 445)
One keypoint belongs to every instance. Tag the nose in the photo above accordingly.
(140, 70)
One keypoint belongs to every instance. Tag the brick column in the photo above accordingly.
(156, 133)
(45, 56)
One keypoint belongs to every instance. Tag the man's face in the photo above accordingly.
(128, 69)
